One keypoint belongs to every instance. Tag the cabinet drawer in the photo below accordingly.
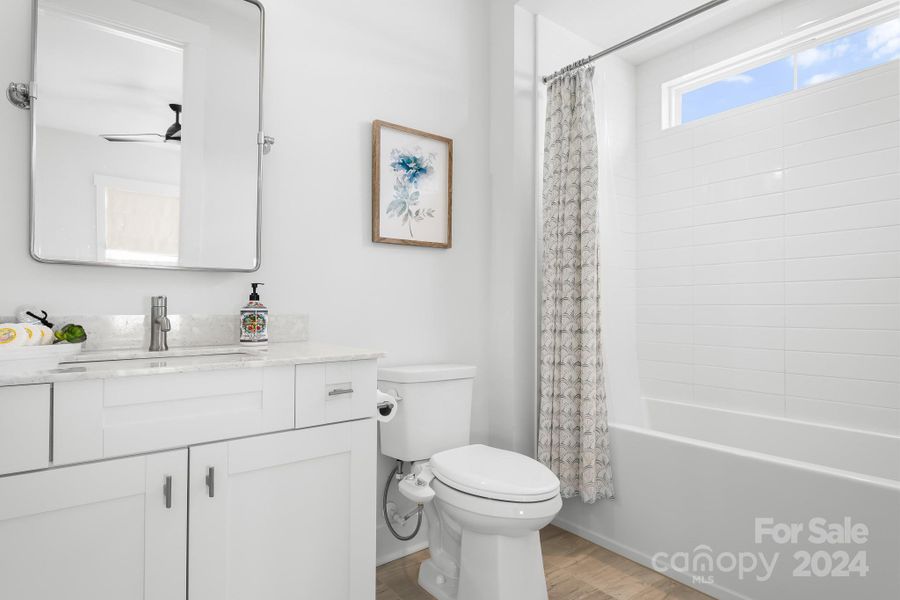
(114, 417)
(24, 428)
(332, 392)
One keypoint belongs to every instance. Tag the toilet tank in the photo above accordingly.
(434, 412)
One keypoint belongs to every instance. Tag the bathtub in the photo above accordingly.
(752, 507)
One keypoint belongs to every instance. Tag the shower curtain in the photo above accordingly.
(573, 439)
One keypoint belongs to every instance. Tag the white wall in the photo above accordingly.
(614, 90)
(614, 84)
(331, 69)
(512, 380)
(523, 48)
(769, 244)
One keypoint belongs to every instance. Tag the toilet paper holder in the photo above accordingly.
(385, 405)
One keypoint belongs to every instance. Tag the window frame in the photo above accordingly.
(787, 47)
(102, 185)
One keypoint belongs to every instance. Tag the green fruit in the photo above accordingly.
(71, 333)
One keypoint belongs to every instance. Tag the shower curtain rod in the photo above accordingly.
(641, 36)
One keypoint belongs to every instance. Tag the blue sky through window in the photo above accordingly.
(851, 53)
(737, 90)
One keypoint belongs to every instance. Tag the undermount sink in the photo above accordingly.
(162, 361)
(172, 357)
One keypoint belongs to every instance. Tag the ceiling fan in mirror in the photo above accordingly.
(173, 133)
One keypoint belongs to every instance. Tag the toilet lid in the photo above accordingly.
(494, 473)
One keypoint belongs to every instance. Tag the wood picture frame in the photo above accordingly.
(414, 170)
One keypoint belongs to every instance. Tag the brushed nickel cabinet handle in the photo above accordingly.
(167, 491)
(211, 481)
(340, 392)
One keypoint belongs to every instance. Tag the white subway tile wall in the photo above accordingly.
(768, 245)
(614, 84)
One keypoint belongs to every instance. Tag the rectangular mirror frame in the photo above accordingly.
(260, 142)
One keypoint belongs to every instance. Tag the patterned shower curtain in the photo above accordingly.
(573, 439)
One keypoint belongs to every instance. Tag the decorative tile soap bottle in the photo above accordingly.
(255, 320)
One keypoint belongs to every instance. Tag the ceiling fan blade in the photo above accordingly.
(173, 133)
(133, 137)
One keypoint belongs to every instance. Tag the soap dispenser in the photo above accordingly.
(255, 320)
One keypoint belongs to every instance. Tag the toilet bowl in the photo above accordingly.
(487, 508)
(484, 506)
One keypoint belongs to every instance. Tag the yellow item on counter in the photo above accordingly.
(32, 334)
(12, 334)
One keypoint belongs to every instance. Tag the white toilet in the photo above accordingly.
(483, 506)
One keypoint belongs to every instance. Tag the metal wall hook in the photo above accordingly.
(19, 95)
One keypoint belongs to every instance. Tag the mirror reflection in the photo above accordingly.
(145, 133)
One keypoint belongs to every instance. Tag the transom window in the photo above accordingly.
(851, 43)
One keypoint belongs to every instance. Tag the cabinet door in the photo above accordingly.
(24, 428)
(100, 531)
(285, 516)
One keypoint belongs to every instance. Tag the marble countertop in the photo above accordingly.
(106, 364)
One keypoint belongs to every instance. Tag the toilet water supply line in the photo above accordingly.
(397, 474)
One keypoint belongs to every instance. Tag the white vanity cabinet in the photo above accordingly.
(240, 484)
(111, 530)
(284, 516)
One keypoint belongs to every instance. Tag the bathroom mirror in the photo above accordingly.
(147, 137)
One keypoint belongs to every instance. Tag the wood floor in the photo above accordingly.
(576, 569)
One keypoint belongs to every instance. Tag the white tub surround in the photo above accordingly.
(769, 239)
(244, 473)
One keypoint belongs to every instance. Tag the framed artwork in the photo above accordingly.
(412, 186)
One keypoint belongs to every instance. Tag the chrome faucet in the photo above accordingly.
(159, 324)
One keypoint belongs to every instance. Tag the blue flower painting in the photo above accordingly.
(412, 186)
(411, 168)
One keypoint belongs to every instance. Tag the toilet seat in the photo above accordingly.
(497, 513)
(494, 474)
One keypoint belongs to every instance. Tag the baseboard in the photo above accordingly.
(713, 589)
